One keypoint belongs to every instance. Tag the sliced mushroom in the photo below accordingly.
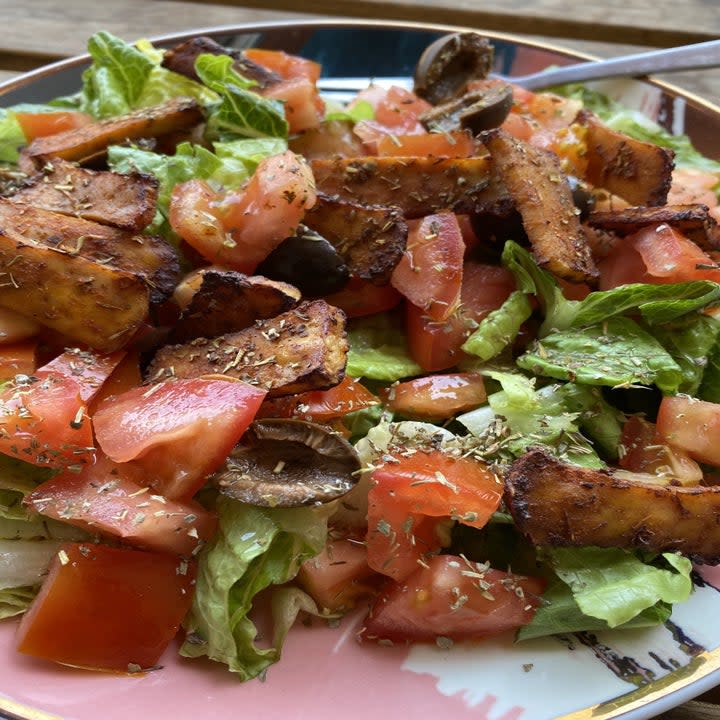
(476, 110)
(448, 64)
(289, 463)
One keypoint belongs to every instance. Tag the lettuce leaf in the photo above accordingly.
(15, 601)
(255, 548)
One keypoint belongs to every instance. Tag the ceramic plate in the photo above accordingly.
(324, 672)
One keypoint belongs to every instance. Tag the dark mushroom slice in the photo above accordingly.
(289, 463)
(449, 63)
(307, 261)
(476, 110)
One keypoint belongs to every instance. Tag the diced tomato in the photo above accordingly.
(692, 426)
(410, 492)
(124, 377)
(321, 405)
(360, 298)
(455, 599)
(645, 452)
(519, 126)
(452, 145)
(34, 125)
(18, 359)
(15, 327)
(430, 272)
(285, 65)
(304, 108)
(107, 608)
(339, 576)
(179, 431)
(241, 228)
(333, 138)
(436, 346)
(693, 186)
(656, 254)
(113, 499)
(437, 397)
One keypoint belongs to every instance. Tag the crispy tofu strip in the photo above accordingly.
(544, 200)
(126, 201)
(90, 302)
(227, 301)
(694, 221)
(90, 141)
(303, 349)
(152, 259)
(370, 238)
(554, 503)
(418, 186)
(637, 171)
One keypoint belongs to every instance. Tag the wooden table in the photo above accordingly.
(42, 31)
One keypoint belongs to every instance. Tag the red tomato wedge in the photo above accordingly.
(107, 608)
(455, 599)
(34, 125)
(339, 576)
(321, 405)
(692, 426)
(108, 498)
(179, 431)
(360, 298)
(304, 108)
(405, 496)
(430, 272)
(437, 397)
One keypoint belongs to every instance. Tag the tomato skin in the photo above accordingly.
(444, 600)
(408, 494)
(34, 125)
(692, 426)
(304, 108)
(645, 452)
(360, 298)
(321, 405)
(287, 66)
(437, 397)
(124, 377)
(339, 576)
(113, 499)
(430, 271)
(107, 608)
(450, 145)
(18, 359)
(179, 431)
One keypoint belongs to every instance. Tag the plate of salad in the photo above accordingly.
(361, 380)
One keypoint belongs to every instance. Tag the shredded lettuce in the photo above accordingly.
(254, 549)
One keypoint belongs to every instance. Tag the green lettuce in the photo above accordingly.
(15, 601)
(360, 110)
(254, 549)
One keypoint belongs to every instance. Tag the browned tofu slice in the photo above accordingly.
(370, 238)
(90, 302)
(303, 349)
(418, 186)
(152, 259)
(637, 171)
(544, 200)
(227, 301)
(90, 141)
(126, 201)
(694, 221)
(557, 504)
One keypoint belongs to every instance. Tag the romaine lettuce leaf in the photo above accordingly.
(14, 601)
(710, 385)
(255, 548)
(361, 110)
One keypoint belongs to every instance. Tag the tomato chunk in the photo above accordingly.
(453, 145)
(407, 497)
(437, 397)
(452, 598)
(18, 359)
(107, 608)
(109, 498)
(178, 431)
(692, 426)
(360, 298)
(34, 125)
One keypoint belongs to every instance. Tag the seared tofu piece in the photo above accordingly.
(370, 238)
(557, 504)
(91, 141)
(227, 301)
(90, 302)
(150, 258)
(127, 201)
(544, 200)
(303, 349)
(418, 186)
(637, 171)
(693, 221)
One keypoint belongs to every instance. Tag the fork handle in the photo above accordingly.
(687, 57)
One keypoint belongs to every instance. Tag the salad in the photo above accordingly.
(448, 357)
